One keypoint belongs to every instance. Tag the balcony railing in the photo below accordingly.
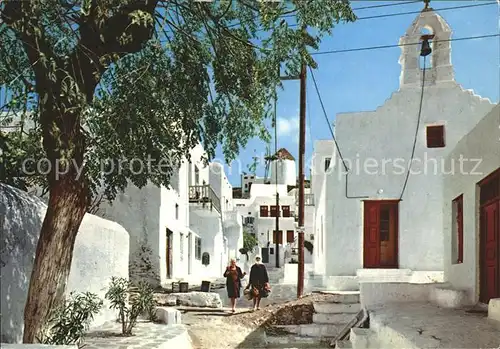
(204, 195)
(308, 199)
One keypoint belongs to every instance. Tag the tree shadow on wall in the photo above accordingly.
(21, 217)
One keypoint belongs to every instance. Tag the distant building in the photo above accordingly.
(259, 210)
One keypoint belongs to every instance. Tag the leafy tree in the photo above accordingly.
(112, 79)
(249, 241)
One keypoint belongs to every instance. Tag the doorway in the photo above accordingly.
(489, 222)
(190, 253)
(265, 254)
(380, 242)
(170, 238)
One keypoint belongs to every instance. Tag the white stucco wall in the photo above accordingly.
(378, 146)
(284, 171)
(138, 211)
(101, 251)
(480, 154)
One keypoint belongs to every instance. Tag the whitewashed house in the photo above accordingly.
(471, 212)
(382, 221)
(259, 211)
(177, 232)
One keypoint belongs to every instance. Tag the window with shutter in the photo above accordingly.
(264, 211)
(435, 136)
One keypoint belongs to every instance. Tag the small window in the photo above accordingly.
(458, 230)
(327, 163)
(181, 246)
(290, 236)
(264, 211)
(196, 175)
(197, 248)
(246, 185)
(176, 211)
(435, 136)
(279, 238)
(205, 258)
(274, 211)
(286, 211)
(271, 250)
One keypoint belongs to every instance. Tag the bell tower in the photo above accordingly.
(438, 64)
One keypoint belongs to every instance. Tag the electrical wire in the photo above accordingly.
(401, 45)
(416, 12)
(327, 120)
(416, 130)
(354, 9)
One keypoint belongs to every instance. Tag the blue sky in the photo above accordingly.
(363, 80)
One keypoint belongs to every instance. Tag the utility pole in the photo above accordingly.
(302, 150)
(276, 158)
(277, 228)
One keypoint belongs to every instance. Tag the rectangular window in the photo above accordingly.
(327, 163)
(279, 237)
(196, 175)
(274, 211)
(435, 136)
(176, 211)
(181, 246)
(458, 229)
(264, 211)
(197, 248)
(286, 211)
(290, 236)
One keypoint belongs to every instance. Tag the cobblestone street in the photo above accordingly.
(147, 335)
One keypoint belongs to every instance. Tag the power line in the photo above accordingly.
(354, 9)
(327, 120)
(415, 12)
(416, 131)
(400, 45)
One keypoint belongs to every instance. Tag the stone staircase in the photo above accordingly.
(360, 338)
(329, 319)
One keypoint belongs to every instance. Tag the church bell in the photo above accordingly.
(426, 47)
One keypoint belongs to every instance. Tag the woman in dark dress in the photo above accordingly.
(233, 277)
(259, 280)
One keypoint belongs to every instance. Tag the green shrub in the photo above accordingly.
(69, 322)
(130, 309)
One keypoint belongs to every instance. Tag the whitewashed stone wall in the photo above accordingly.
(480, 154)
(101, 251)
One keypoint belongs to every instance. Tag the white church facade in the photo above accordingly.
(379, 208)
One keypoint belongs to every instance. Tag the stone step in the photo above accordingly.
(347, 297)
(343, 344)
(320, 330)
(362, 338)
(313, 330)
(294, 341)
(340, 319)
(336, 308)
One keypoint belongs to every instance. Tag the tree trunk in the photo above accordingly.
(54, 252)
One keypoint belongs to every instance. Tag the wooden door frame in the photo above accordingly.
(394, 202)
(169, 235)
(495, 175)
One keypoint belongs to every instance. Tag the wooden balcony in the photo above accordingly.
(205, 196)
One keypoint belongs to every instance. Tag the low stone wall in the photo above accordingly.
(372, 294)
(101, 251)
(190, 299)
(36, 346)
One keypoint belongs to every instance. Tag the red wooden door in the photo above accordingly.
(380, 243)
(490, 256)
(371, 251)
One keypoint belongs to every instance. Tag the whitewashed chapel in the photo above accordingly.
(382, 221)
